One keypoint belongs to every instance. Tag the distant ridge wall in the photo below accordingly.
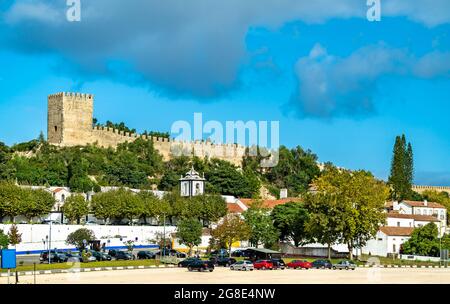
(421, 189)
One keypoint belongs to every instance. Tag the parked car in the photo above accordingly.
(263, 264)
(219, 253)
(146, 254)
(302, 264)
(100, 256)
(91, 223)
(112, 252)
(243, 265)
(55, 257)
(53, 222)
(171, 252)
(278, 264)
(123, 255)
(345, 264)
(201, 266)
(187, 262)
(223, 261)
(73, 257)
(239, 253)
(322, 264)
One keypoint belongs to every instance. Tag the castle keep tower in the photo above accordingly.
(69, 120)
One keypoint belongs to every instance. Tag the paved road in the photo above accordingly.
(224, 275)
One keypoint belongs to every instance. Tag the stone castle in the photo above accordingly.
(69, 123)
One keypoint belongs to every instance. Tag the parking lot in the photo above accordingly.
(222, 275)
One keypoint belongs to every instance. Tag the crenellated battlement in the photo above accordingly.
(70, 118)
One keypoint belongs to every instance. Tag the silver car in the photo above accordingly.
(344, 265)
(242, 265)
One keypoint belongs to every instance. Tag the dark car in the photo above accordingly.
(112, 252)
(223, 261)
(322, 264)
(100, 256)
(123, 255)
(187, 262)
(201, 266)
(221, 253)
(278, 264)
(145, 254)
(239, 253)
(55, 257)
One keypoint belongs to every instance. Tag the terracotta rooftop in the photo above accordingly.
(270, 203)
(397, 231)
(57, 190)
(416, 217)
(234, 208)
(422, 204)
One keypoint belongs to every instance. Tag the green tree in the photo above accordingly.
(262, 231)
(4, 240)
(79, 237)
(106, 205)
(295, 170)
(189, 233)
(213, 207)
(152, 206)
(290, 219)
(14, 236)
(324, 224)
(424, 241)
(75, 207)
(232, 229)
(402, 169)
(42, 203)
(359, 200)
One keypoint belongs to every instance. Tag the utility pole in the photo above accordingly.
(164, 232)
(49, 243)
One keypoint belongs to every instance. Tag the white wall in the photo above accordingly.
(33, 235)
(392, 222)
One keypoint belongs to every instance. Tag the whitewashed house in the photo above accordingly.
(398, 229)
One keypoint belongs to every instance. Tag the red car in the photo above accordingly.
(263, 264)
(303, 264)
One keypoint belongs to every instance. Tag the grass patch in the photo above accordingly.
(55, 266)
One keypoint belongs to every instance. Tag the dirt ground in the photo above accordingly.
(224, 275)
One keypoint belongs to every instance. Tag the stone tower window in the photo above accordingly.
(56, 128)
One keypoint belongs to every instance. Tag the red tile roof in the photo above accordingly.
(422, 204)
(57, 190)
(416, 217)
(234, 208)
(270, 203)
(397, 231)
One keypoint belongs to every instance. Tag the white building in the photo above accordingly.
(192, 184)
(387, 241)
(398, 229)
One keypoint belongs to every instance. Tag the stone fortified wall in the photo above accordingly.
(70, 124)
(420, 189)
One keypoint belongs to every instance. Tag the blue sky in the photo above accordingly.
(340, 85)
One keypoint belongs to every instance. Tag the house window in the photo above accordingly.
(398, 224)
(63, 197)
(394, 248)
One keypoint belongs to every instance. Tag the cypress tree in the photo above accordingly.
(402, 169)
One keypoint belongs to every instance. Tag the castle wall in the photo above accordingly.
(70, 124)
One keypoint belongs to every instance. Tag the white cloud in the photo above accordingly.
(193, 47)
(330, 86)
